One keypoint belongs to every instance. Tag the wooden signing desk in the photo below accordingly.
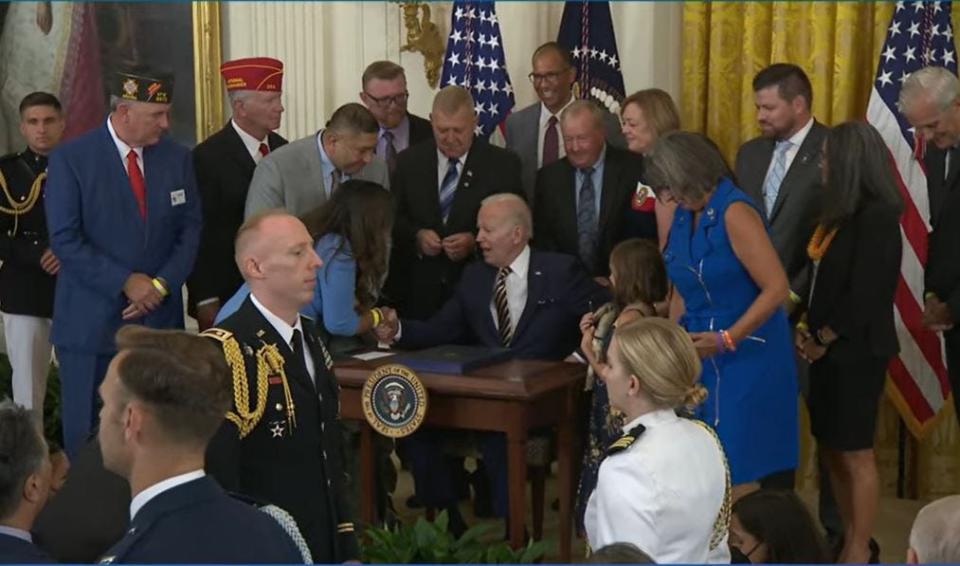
(511, 397)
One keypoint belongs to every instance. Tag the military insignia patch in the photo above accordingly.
(394, 401)
(130, 88)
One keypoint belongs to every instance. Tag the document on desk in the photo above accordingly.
(373, 355)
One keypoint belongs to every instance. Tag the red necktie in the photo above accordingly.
(136, 183)
(264, 150)
(551, 143)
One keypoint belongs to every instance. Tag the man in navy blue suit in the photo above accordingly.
(164, 397)
(25, 476)
(124, 220)
(518, 298)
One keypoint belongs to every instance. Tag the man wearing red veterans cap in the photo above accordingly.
(224, 165)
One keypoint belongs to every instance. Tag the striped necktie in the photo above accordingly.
(502, 307)
(771, 186)
(448, 187)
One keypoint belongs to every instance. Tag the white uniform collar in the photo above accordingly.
(281, 326)
(653, 418)
(156, 489)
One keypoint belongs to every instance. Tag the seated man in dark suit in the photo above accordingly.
(517, 298)
(25, 476)
(583, 201)
(164, 397)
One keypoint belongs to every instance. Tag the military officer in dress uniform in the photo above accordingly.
(664, 485)
(124, 221)
(225, 164)
(27, 274)
(164, 397)
(280, 442)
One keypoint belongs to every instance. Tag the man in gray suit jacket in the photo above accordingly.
(300, 176)
(533, 133)
(781, 168)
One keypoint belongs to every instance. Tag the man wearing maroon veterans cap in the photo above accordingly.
(224, 165)
(124, 219)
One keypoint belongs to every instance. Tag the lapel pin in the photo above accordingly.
(469, 173)
(260, 333)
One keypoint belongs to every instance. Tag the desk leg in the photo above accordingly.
(367, 488)
(517, 474)
(565, 480)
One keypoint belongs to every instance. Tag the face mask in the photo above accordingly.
(737, 556)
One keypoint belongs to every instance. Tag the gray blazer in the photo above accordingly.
(797, 208)
(522, 129)
(291, 178)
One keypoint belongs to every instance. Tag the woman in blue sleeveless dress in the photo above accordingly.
(721, 261)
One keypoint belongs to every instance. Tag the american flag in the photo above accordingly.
(475, 61)
(920, 35)
(586, 29)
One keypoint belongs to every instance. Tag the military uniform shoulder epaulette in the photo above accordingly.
(625, 441)
(242, 415)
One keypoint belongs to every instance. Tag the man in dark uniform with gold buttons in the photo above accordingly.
(27, 274)
(280, 442)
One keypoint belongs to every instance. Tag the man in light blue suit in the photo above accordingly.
(124, 219)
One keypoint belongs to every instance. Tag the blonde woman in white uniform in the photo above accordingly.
(664, 485)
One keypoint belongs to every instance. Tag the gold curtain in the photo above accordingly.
(838, 44)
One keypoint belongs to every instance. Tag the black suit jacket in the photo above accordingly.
(25, 288)
(415, 187)
(224, 169)
(298, 467)
(797, 208)
(559, 293)
(942, 275)
(196, 522)
(555, 208)
(14, 550)
(420, 129)
(855, 283)
(88, 514)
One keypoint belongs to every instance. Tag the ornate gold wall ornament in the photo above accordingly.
(423, 36)
(206, 68)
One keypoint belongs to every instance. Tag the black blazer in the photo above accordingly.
(415, 187)
(88, 514)
(224, 169)
(196, 522)
(25, 288)
(295, 468)
(14, 550)
(555, 207)
(942, 275)
(855, 282)
(420, 129)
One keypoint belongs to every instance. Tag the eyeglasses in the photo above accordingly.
(549, 77)
(384, 101)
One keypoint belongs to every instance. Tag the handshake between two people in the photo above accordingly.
(388, 327)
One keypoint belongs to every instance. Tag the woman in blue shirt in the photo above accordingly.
(352, 235)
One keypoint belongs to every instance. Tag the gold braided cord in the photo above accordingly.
(270, 360)
(20, 208)
(722, 525)
(242, 416)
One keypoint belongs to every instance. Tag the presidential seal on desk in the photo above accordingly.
(394, 401)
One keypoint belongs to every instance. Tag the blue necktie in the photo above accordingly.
(448, 187)
(587, 220)
(771, 186)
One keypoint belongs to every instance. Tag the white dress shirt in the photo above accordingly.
(16, 533)
(516, 290)
(124, 149)
(545, 115)
(286, 332)
(251, 143)
(796, 140)
(663, 493)
(142, 498)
